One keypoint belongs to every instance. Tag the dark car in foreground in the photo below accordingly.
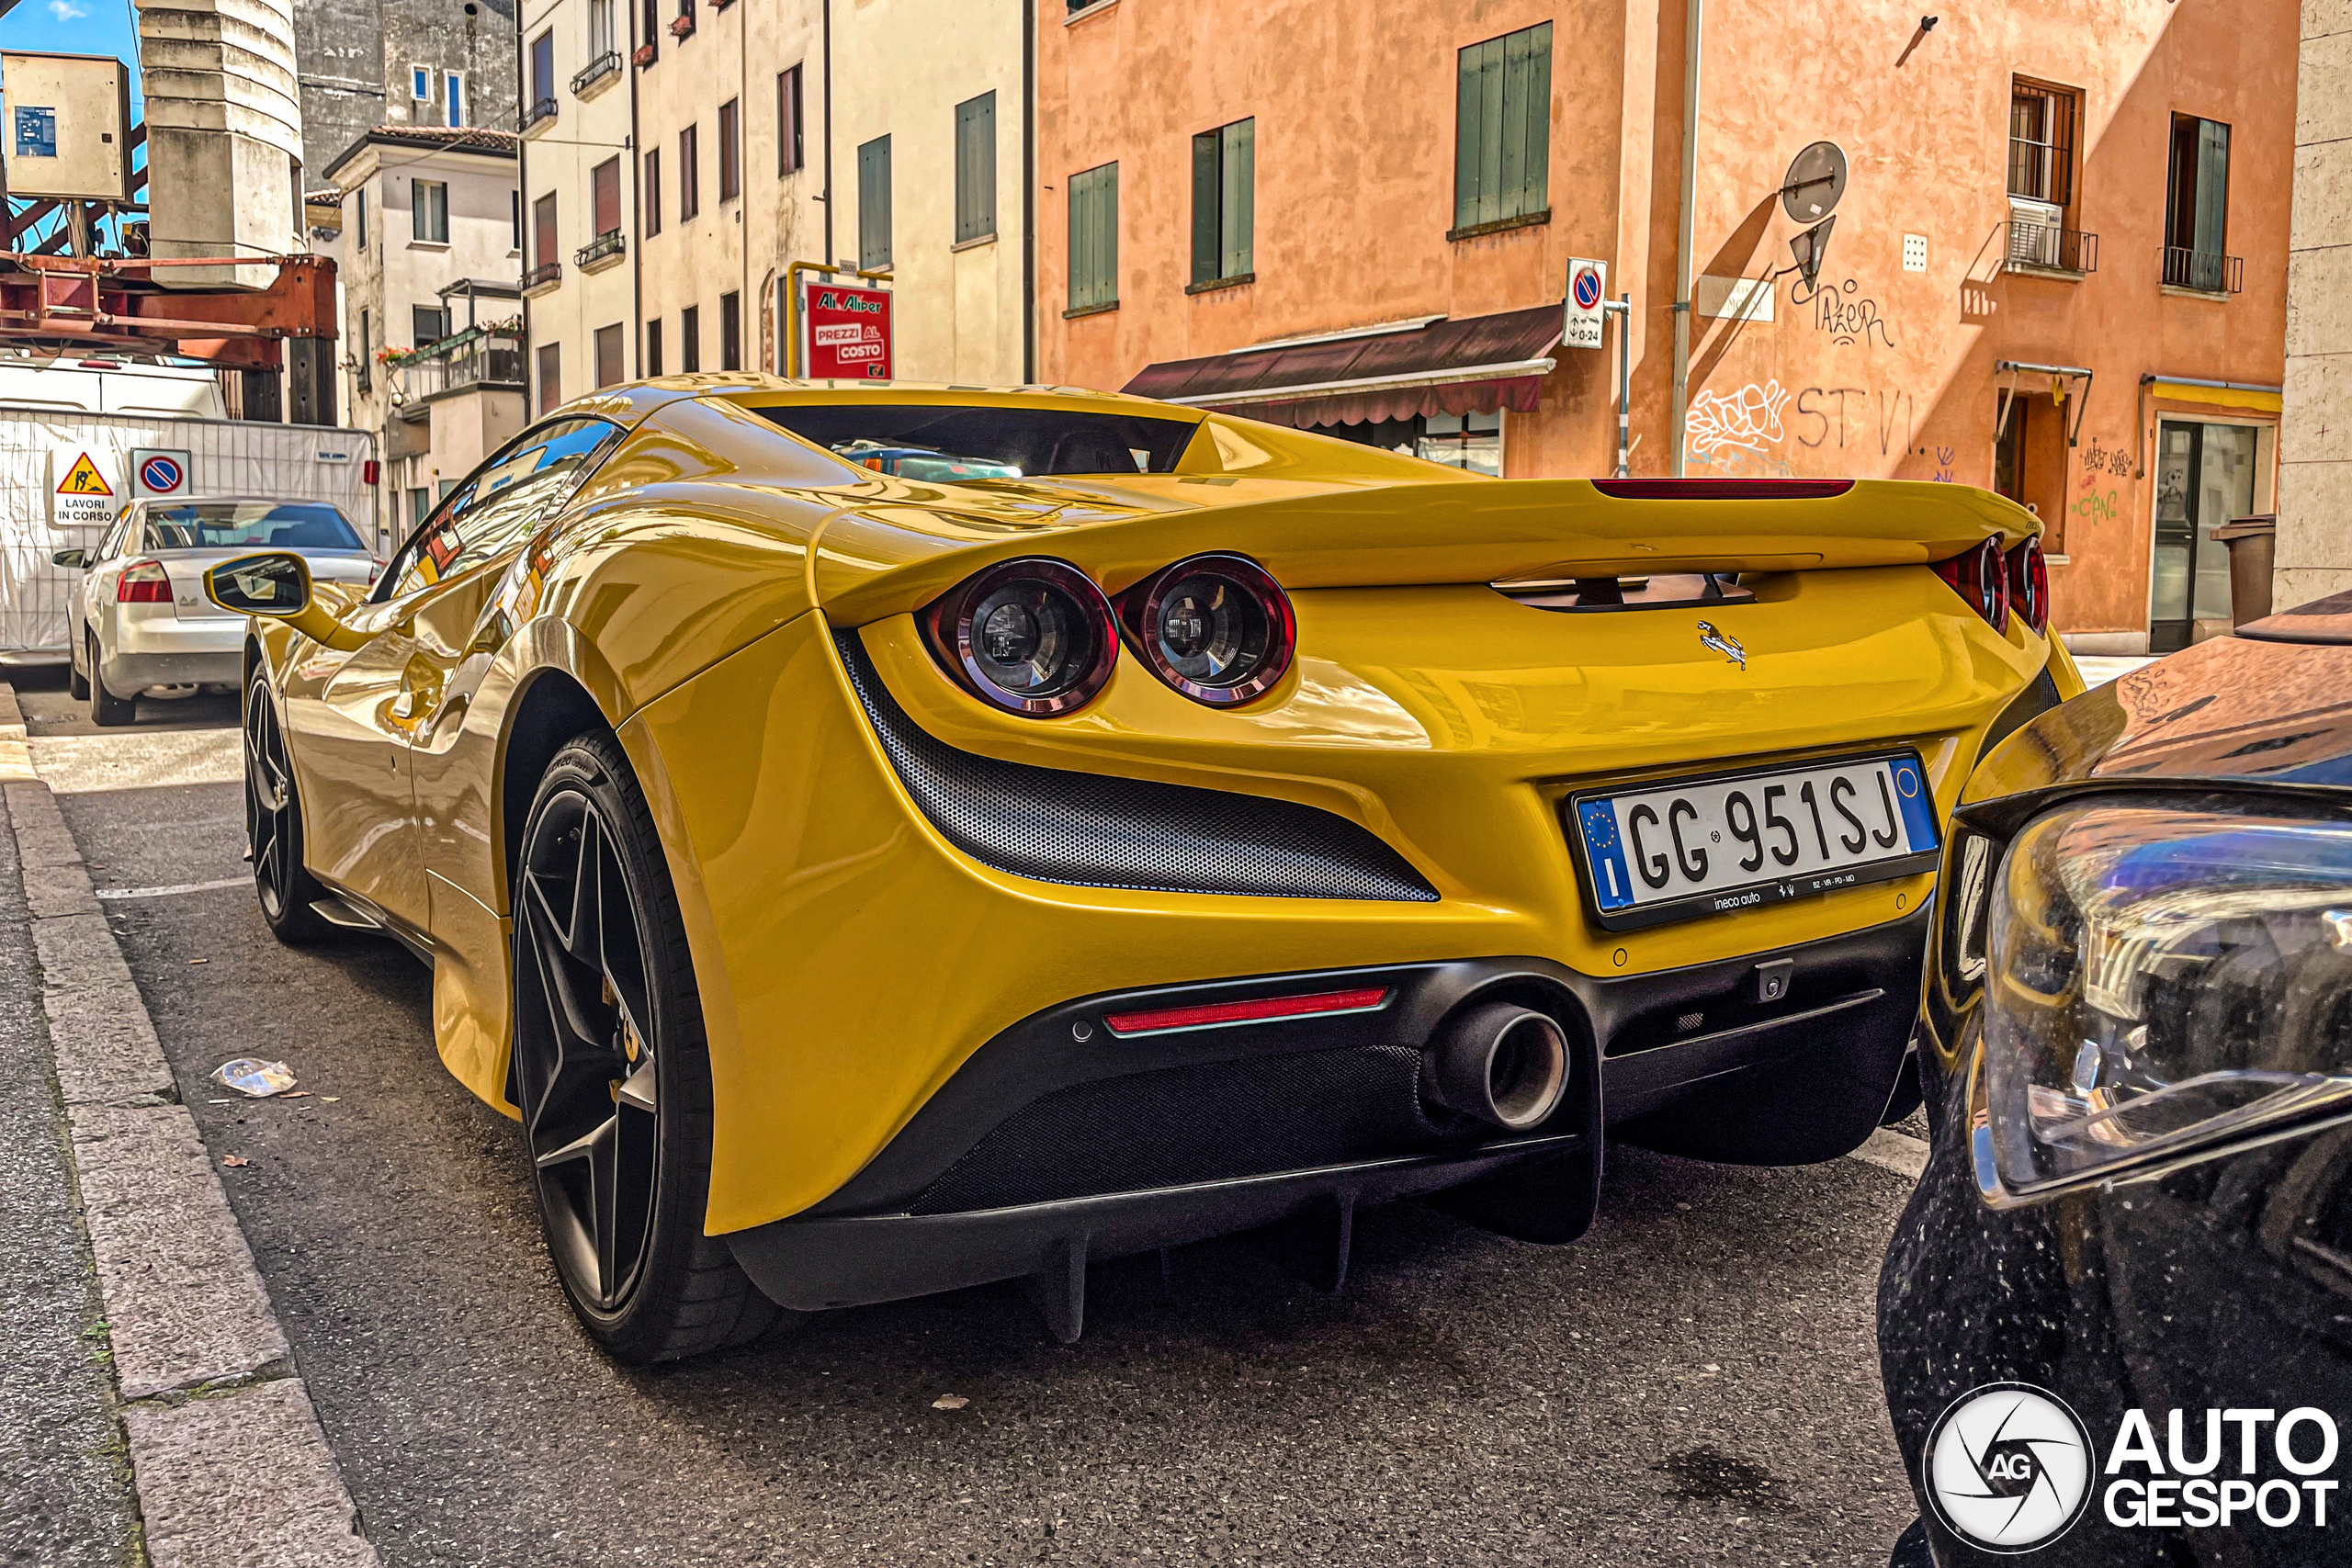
(2116, 1320)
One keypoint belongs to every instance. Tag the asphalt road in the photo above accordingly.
(1694, 1382)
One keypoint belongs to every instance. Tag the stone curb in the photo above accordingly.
(227, 1456)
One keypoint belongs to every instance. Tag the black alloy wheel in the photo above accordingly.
(610, 1072)
(274, 824)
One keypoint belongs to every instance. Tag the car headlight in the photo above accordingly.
(2162, 981)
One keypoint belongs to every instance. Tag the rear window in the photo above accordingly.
(991, 441)
(257, 525)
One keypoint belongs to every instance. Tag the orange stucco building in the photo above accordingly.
(2057, 266)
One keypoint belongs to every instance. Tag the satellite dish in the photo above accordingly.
(1816, 179)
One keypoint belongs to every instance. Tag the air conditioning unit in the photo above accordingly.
(2034, 229)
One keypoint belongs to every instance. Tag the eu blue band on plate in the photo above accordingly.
(1612, 882)
(1917, 807)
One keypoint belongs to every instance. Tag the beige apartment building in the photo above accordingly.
(579, 197)
(668, 198)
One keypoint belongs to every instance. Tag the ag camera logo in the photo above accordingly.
(2007, 1467)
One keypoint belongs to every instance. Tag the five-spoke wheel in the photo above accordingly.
(274, 824)
(610, 1073)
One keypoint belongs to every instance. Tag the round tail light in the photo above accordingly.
(2029, 585)
(1981, 577)
(1032, 637)
(1216, 627)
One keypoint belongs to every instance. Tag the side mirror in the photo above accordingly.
(71, 557)
(275, 584)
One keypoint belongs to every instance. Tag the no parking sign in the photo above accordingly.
(159, 470)
(1580, 322)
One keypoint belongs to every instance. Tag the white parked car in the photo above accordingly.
(139, 616)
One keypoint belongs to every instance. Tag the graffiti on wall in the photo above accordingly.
(1747, 419)
(1840, 417)
(2101, 458)
(1845, 312)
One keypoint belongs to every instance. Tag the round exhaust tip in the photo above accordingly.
(1503, 1064)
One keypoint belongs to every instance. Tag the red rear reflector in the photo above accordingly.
(1258, 1010)
(142, 583)
(1722, 489)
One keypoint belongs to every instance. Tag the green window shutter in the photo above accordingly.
(975, 168)
(1094, 237)
(1527, 121)
(1469, 114)
(2212, 188)
(874, 204)
(1207, 198)
(1237, 217)
(1503, 128)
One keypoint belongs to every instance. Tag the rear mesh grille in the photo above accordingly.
(1175, 1126)
(1093, 830)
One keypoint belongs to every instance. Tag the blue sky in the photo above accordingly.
(77, 27)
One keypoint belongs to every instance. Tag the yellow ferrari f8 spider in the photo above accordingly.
(884, 840)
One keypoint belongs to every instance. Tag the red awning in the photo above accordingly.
(1478, 366)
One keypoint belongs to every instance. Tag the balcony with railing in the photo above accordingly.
(536, 113)
(590, 78)
(606, 250)
(542, 277)
(2048, 248)
(487, 356)
(2206, 271)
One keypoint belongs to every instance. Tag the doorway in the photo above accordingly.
(2205, 476)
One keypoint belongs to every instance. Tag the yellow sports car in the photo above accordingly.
(883, 840)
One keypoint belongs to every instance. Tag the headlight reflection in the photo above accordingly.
(2163, 978)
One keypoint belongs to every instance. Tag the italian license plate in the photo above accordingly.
(1729, 842)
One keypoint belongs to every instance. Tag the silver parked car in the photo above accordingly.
(140, 614)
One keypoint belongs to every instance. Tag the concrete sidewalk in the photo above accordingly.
(218, 1461)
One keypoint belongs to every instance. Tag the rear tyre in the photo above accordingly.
(612, 1074)
(105, 709)
(77, 685)
(273, 824)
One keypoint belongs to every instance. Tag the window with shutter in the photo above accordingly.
(1225, 162)
(608, 355)
(1503, 130)
(649, 200)
(654, 346)
(543, 244)
(429, 211)
(787, 119)
(730, 150)
(604, 190)
(2197, 213)
(975, 168)
(690, 338)
(730, 331)
(689, 172)
(874, 204)
(1095, 238)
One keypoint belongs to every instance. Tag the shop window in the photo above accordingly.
(1224, 179)
(1472, 441)
(1503, 130)
(1095, 238)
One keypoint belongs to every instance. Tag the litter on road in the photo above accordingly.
(258, 1079)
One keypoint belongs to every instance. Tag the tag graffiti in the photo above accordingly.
(2248, 1467)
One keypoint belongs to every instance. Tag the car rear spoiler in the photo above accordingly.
(869, 564)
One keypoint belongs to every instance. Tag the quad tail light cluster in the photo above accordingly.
(1038, 637)
(1995, 585)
